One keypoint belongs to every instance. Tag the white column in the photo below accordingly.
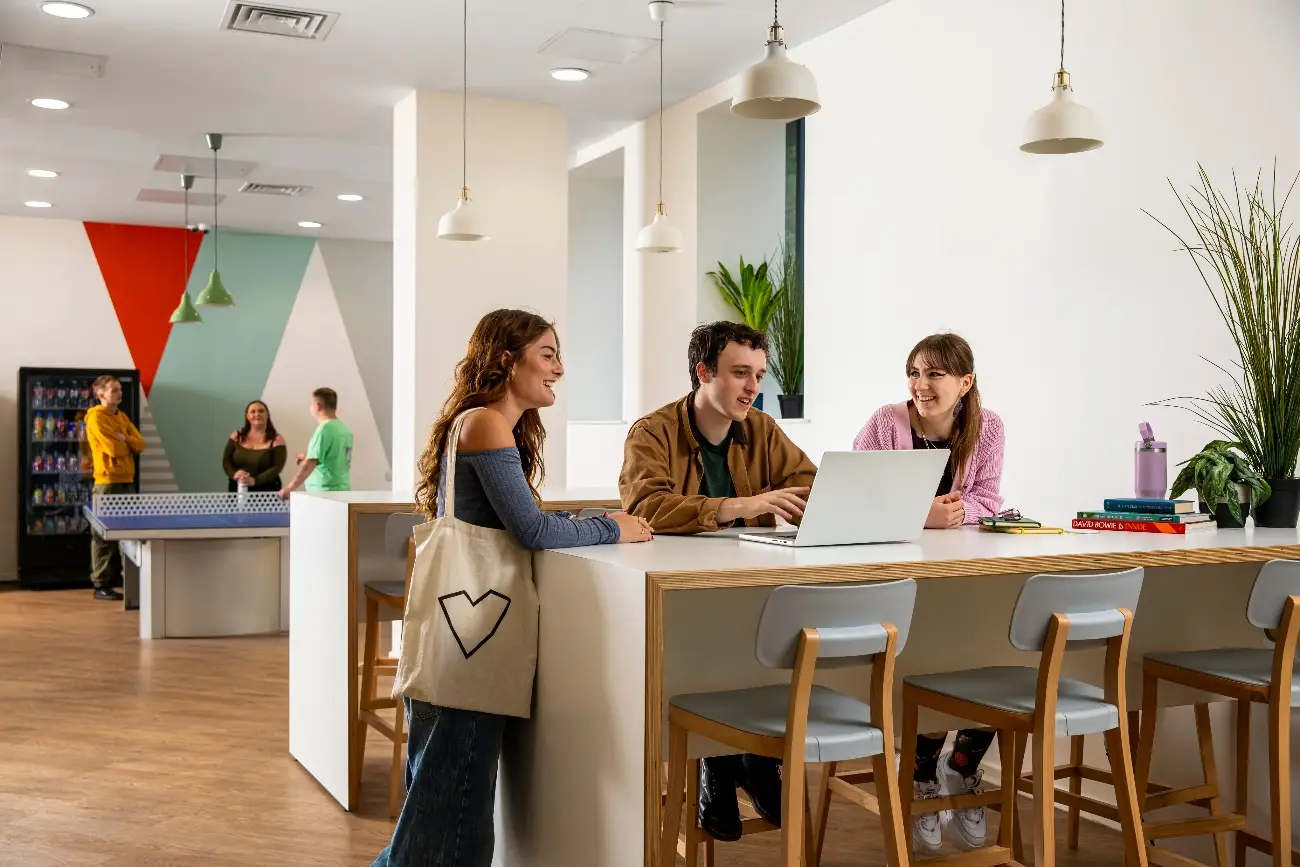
(518, 180)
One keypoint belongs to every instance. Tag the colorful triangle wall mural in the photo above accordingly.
(138, 264)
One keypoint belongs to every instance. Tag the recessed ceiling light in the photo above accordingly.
(54, 104)
(308, 224)
(350, 197)
(42, 173)
(569, 73)
(37, 204)
(66, 10)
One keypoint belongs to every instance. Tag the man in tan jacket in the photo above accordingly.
(707, 462)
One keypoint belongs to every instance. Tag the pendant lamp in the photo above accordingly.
(185, 312)
(1063, 126)
(776, 88)
(462, 223)
(215, 294)
(660, 236)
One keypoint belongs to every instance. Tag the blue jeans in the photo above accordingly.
(451, 783)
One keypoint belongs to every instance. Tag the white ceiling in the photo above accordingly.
(319, 113)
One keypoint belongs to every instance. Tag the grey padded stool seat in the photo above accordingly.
(390, 592)
(1053, 614)
(1247, 675)
(800, 629)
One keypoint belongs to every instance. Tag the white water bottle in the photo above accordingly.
(242, 496)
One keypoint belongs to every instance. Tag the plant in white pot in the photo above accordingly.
(1224, 480)
(1249, 259)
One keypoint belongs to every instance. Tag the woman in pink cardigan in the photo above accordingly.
(945, 413)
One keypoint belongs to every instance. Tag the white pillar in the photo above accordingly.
(518, 179)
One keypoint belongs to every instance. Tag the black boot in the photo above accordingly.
(719, 811)
(108, 593)
(760, 777)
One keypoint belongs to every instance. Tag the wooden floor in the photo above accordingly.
(116, 752)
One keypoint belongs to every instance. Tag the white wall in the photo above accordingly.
(86, 333)
(740, 210)
(922, 215)
(593, 343)
(518, 164)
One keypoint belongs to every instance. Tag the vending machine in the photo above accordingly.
(55, 473)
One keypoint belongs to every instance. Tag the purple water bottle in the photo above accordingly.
(1150, 465)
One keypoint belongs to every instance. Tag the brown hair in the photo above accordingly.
(328, 399)
(952, 354)
(483, 377)
(103, 382)
(708, 341)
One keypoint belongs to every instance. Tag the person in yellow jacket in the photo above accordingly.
(114, 443)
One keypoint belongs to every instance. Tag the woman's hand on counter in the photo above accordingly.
(632, 528)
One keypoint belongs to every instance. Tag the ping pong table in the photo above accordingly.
(200, 565)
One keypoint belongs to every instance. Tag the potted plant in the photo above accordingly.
(1249, 259)
(753, 297)
(1225, 481)
(786, 333)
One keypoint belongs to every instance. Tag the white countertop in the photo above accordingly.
(687, 553)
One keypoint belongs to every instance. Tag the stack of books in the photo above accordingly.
(1138, 515)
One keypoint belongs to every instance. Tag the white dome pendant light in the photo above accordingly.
(462, 222)
(776, 88)
(660, 236)
(1063, 126)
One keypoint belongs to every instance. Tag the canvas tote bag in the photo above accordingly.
(469, 632)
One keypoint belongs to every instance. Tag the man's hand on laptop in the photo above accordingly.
(788, 503)
(946, 512)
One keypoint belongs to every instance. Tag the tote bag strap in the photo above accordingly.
(449, 486)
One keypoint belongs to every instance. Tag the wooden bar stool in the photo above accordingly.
(400, 548)
(1053, 613)
(802, 723)
(1247, 676)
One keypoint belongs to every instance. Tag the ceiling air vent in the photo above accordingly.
(278, 20)
(272, 189)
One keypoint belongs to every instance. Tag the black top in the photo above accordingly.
(717, 474)
(945, 483)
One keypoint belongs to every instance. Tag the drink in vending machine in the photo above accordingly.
(49, 495)
(86, 400)
(38, 396)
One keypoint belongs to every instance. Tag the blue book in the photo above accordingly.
(1149, 506)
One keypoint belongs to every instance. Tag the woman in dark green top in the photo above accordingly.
(255, 454)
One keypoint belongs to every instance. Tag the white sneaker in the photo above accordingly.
(966, 827)
(927, 833)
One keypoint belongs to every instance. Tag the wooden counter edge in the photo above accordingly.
(921, 569)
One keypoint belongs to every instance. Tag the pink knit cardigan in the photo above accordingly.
(891, 428)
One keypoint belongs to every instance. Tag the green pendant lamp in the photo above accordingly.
(215, 294)
(185, 312)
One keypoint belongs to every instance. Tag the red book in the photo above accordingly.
(1141, 526)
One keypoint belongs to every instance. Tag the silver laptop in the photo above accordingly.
(859, 498)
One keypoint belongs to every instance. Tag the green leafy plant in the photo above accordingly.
(1249, 259)
(1215, 471)
(753, 297)
(786, 329)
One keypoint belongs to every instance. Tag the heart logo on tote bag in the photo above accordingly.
(471, 625)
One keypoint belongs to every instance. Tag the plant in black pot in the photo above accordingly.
(1249, 259)
(1224, 480)
(786, 333)
(752, 296)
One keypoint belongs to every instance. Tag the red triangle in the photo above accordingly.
(138, 267)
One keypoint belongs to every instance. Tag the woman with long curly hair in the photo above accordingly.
(945, 413)
(508, 373)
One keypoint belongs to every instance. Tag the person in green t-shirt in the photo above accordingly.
(328, 462)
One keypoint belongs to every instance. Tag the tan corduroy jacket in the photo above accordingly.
(662, 470)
